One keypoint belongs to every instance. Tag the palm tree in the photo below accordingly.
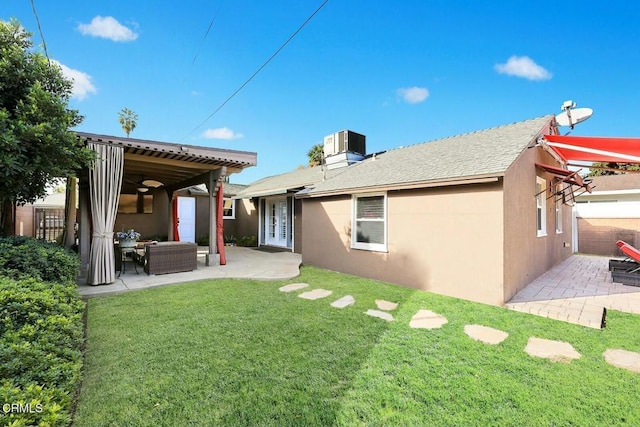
(315, 155)
(128, 120)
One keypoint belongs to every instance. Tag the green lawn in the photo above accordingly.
(239, 352)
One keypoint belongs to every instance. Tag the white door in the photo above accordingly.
(277, 228)
(187, 219)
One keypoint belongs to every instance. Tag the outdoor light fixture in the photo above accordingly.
(142, 189)
(152, 183)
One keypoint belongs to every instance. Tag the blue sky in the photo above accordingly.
(399, 72)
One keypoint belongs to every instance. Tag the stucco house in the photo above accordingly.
(277, 214)
(610, 213)
(475, 216)
(240, 217)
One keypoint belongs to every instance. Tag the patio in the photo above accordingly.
(242, 263)
(579, 290)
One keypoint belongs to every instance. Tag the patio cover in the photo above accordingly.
(595, 149)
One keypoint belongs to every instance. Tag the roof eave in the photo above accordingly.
(478, 179)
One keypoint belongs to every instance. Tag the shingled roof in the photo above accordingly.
(286, 182)
(485, 153)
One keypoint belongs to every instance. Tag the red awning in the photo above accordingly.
(595, 149)
(567, 176)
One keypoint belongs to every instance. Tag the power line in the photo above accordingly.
(295, 33)
(206, 34)
(44, 44)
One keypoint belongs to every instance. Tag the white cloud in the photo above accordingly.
(107, 27)
(221, 133)
(525, 67)
(82, 85)
(413, 95)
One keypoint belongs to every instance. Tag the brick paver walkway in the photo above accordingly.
(577, 291)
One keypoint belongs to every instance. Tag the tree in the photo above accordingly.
(36, 145)
(128, 120)
(612, 168)
(315, 155)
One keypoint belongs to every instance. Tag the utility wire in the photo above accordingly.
(44, 44)
(295, 33)
(206, 34)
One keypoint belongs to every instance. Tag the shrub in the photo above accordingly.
(22, 257)
(247, 241)
(41, 332)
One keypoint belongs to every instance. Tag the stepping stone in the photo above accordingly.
(556, 351)
(485, 334)
(386, 305)
(380, 314)
(315, 294)
(427, 319)
(623, 359)
(293, 287)
(343, 302)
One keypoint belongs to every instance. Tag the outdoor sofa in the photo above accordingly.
(170, 257)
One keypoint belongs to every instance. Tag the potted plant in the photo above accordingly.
(128, 239)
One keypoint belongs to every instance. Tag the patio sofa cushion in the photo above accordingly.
(170, 257)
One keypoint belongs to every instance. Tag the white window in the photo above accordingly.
(559, 203)
(541, 206)
(229, 209)
(369, 222)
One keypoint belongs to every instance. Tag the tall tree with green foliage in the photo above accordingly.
(128, 120)
(36, 144)
(315, 155)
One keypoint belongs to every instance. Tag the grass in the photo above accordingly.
(239, 352)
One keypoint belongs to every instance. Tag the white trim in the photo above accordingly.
(233, 208)
(376, 247)
(541, 205)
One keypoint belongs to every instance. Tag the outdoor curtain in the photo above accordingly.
(105, 181)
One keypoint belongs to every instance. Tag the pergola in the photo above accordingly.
(122, 161)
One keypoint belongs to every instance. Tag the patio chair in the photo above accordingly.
(631, 274)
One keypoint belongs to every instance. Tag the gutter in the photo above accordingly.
(481, 179)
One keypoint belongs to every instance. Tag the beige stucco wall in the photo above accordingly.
(445, 240)
(148, 225)
(244, 224)
(297, 226)
(526, 255)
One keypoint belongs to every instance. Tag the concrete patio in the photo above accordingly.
(578, 290)
(242, 263)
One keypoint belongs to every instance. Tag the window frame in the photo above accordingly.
(233, 208)
(541, 205)
(374, 247)
(558, 209)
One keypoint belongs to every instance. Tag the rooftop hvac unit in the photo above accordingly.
(344, 141)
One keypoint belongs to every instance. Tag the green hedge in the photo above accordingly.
(22, 257)
(41, 333)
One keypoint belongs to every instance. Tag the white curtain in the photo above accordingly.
(105, 181)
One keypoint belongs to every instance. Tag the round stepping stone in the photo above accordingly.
(623, 359)
(343, 302)
(293, 287)
(556, 351)
(485, 334)
(380, 314)
(386, 305)
(315, 294)
(427, 319)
